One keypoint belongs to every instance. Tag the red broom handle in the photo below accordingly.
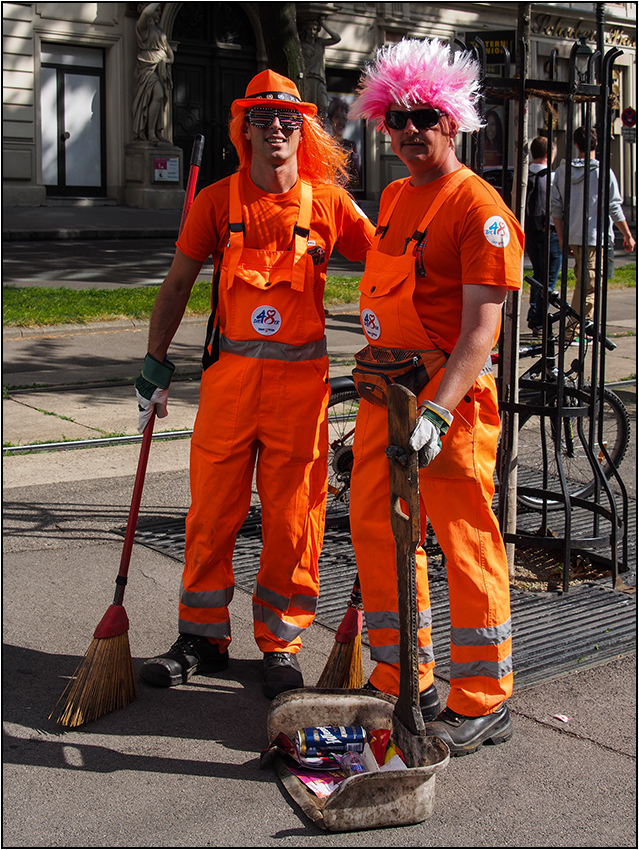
(196, 161)
(134, 510)
(125, 560)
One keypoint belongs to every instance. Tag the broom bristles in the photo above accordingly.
(103, 682)
(344, 668)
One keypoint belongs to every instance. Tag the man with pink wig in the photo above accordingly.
(445, 254)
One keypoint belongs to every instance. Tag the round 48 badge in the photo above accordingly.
(266, 320)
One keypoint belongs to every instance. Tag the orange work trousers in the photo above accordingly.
(456, 492)
(272, 413)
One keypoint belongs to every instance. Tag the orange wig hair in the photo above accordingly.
(320, 159)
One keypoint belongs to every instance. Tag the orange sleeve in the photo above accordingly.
(206, 224)
(356, 231)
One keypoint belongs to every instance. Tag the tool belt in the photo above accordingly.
(377, 368)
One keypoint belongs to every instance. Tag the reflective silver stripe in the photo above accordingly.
(490, 636)
(390, 654)
(268, 349)
(282, 630)
(489, 669)
(284, 603)
(213, 630)
(206, 598)
(390, 619)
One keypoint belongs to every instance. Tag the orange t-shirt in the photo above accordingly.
(269, 219)
(473, 239)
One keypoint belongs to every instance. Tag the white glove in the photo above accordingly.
(152, 389)
(433, 423)
(158, 401)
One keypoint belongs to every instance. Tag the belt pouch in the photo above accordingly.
(377, 368)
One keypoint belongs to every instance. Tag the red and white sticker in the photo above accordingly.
(370, 323)
(496, 231)
(266, 320)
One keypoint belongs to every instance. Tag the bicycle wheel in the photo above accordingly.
(342, 411)
(537, 431)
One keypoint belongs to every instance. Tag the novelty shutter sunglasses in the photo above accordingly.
(423, 119)
(263, 116)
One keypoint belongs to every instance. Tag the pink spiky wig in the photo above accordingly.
(420, 71)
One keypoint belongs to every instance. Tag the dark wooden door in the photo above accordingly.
(214, 60)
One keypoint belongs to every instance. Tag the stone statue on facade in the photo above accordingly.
(152, 76)
(313, 46)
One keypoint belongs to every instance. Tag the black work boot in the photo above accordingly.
(428, 701)
(189, 654)
(281, 673)
(465, 735)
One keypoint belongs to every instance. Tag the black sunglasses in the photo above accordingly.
(263, 116)
(423, 119)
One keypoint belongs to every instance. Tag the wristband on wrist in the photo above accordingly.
(439, 416)
(157, 373)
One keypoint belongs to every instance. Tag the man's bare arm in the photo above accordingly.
(480, 315)
(171, 302)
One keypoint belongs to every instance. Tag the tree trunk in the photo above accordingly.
(282, 41)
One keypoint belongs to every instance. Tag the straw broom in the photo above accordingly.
(344, 667)
(104, 678)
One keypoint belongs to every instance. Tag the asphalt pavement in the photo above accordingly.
(180, 767)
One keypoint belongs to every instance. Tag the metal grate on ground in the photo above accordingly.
(553, 633)
(528, 521)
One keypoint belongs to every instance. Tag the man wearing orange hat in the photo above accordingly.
(446, 252)
(270, 229)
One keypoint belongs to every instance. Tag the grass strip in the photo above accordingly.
(29, 306)
(33, 306)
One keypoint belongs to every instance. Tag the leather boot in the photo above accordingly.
(281, 673)
(465, 735)
(189, 654)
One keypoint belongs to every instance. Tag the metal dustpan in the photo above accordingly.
(393, 797)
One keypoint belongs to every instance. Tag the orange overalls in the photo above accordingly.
(266, 399)
(456, 491)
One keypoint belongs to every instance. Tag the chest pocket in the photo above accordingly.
(269, 293)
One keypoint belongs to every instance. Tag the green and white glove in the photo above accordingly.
(433, 423)
(152, 389)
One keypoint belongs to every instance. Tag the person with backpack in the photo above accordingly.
(570, 232)
(545, 268)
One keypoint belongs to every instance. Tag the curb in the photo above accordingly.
(45, 331)
(14, 333)
(70, 234)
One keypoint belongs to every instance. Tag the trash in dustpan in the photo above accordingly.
(388, 796)
(384, 797)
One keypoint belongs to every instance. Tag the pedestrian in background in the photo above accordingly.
(545, 269)
(570, 233)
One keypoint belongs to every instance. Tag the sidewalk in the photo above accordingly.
(91, 222)
(180, 767)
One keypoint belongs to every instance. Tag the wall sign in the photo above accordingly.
(166, 169)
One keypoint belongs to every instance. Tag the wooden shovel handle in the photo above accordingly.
(404, 510)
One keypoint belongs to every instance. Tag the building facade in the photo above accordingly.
(76, 86)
